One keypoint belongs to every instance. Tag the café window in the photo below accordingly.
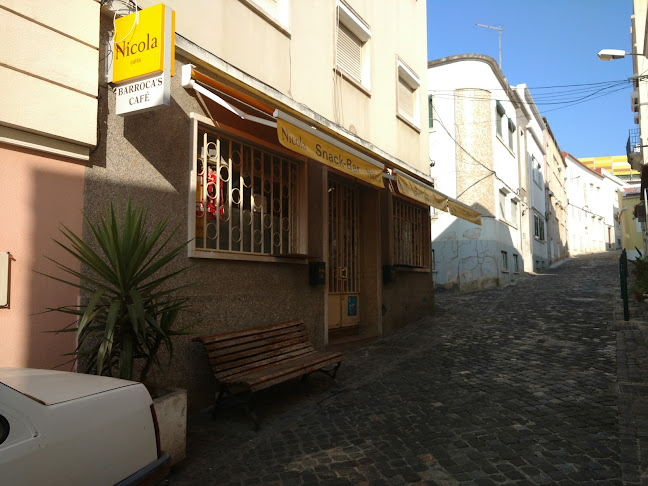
(248, 200)
(411, 235)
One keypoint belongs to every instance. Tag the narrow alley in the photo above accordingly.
(514, 385)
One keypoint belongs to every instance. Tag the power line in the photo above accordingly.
(545, 99)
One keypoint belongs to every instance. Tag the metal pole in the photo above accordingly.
(500, 48)
(623, 270)
(500, 39)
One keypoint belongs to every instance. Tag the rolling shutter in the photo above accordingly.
(349, 52)
(405, 99)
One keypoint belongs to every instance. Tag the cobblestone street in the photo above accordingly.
(514, 385)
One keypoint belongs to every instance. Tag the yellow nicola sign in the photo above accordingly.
(140, 43)
(303, 142)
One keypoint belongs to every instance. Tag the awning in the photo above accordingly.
(423, 193)
(410, 187)
(306, 140)
(191, 79)
(461, 210)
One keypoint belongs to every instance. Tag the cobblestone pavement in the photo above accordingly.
(515, 385)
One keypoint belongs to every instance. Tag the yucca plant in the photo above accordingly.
(132, 306)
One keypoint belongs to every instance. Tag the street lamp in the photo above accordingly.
(609, 54)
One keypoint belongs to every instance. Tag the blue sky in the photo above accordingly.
(550, 43)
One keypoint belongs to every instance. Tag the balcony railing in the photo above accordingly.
(633, 149)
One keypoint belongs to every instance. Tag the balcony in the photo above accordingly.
(634, 150)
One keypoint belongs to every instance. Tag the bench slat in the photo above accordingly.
(258, 360)
(218, 350)
(255, 352)
(234, 374)
(214, 338)
(294, 374)
(275, 333)
(290, 364)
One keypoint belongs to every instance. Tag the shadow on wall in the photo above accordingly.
(40, 192)
(468, 256)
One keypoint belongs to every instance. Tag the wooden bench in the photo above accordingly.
(244, 362)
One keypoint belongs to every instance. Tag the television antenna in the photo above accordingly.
(500, 39)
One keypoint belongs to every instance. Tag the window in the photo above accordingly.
(514, 212)
(248, 199)
(276, 10)
(538, 225)
(511, 132)
(502, 205)
(516, 263)
(504, 260)
(411, 236)
(537, 170)
(352, 50)
(430, 111)
(407, 94)
(499, 117)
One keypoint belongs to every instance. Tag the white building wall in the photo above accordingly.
(535, 186)
(466, 255)
(593, 202)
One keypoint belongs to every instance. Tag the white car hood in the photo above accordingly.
(51, 387)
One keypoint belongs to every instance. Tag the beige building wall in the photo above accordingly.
(630, 227)
(297, 58)
(289, 66)
(477, 140)
(38, 194)
(556, 173)
(49, 58)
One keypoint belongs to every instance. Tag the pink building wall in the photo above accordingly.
(37, 193)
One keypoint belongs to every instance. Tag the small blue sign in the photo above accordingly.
(352, 305)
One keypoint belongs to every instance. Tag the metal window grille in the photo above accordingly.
(344, 238)
(411, 241)
(246, 198)
(349, 52)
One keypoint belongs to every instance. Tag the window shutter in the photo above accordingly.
(405, 99)
(349, 52)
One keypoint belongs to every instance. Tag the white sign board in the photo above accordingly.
(143, 94)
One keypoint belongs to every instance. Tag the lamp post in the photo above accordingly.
(609, 54)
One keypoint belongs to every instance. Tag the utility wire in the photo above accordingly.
(491, 171)
(553, 99)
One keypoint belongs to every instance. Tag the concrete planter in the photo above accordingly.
(171, 410)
